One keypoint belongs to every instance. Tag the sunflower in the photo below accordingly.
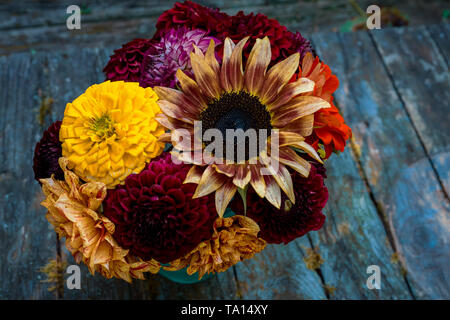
(224, 96)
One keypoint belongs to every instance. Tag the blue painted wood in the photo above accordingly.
(26, 242)
(423, 82)
(440, 34)
(398, 173)
(279, 272)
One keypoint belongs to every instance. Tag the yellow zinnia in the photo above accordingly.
(110, 131)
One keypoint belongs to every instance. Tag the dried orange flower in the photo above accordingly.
(234, 239)
(73, 209)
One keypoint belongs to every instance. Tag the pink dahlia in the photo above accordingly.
(46, 154)
(291, 220)
(125, 63)
(164, 58)
(155, 215)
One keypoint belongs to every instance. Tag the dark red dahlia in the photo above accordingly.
(46, 154)
(125, 63)
(155, 215)
(221, 25)
(189, 15)
(291, 220)
(283, 42)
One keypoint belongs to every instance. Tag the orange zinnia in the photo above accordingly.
(329, 126)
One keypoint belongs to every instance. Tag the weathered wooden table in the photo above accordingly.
(388, 204)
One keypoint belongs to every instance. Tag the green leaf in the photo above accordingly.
(243, 193)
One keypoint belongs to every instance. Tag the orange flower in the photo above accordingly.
(73, 209)
(234, 239)
(329, 126)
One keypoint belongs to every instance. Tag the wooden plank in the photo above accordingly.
(279, 272)
(399, 175)
(26, 242)
(353, 237)
(42, 27)
(422, 81)
(440, 33)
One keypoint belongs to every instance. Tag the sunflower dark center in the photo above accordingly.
(237, 110)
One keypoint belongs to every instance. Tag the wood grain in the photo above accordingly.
(279, 272)
(440, 33)
(425, 92)
(399, 175)
(26, 241)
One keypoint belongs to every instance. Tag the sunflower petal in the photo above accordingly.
(227, 50)
(302, 126)
(226, 169)
(291, 90)
(183, 139)
(257, 180)
(171, 123)
(234, 70)
(281, 176)
(273, 192)
(242, 176)
(290, 158)
(286, 138)
(175, 111)
(191, 89)
(210, 181)
(257, 63)
(205, 76)
(194, 174)
(223, 197)
(308, 149)
(210, 57)
(278, 76)
(180, 99)
(165, 137)
(297, 108)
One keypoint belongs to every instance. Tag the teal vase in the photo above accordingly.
(181, 276)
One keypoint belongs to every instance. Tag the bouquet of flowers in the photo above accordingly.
(204, 144)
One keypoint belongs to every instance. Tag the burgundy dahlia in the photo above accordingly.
(125, 63)
(291, 220)
(283, 42)
(46, 154)
(155, 215)
(222, 25)
(172, 52)
(190, 15)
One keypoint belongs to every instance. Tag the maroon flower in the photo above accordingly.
(291, 220)
(46, 154)
(190, 15)
(283, 42)
(155, 215)
(221, 25)
(125, 63)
